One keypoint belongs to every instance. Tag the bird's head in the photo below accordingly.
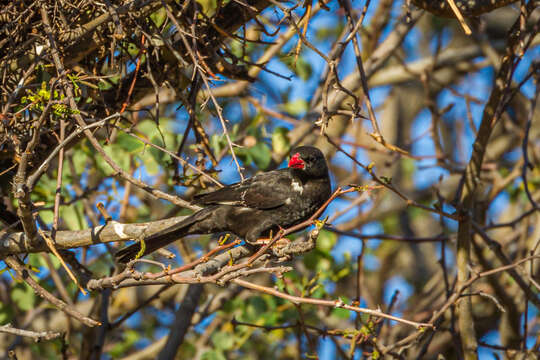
(309, 160)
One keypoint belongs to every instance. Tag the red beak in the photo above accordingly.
(296, 162)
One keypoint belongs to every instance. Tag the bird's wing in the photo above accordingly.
(264, 191)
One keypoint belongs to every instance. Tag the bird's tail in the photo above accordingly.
(159, 240)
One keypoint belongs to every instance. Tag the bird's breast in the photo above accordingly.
(297, 186)
(307, 198)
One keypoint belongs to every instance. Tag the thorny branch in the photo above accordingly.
(37, 336)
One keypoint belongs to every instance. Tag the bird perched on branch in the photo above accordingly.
(254, 208)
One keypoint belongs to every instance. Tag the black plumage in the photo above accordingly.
(255, 207)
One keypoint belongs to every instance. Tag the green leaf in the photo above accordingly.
(6, 314)
(223, 341)
(323, 33)
(341, 313)
(232, 305)
(215, 143)
(47, 216)
(303, 68)
(129, 143)
(159, 17)
(209, 7)
(151, 165)
(326, 240)
(151, 129)
(45, 189)
(132, 49)
(23, 296)
(408, 166)
(280, 284)
(318, 261)
(157, 154)
(319, 293)
(55, 262)
(261, 155)
(213, 355)
(236, 49)
(296, 107)
(73, 216)
(256, 307)
(118, 155)
(280, 140)
(37, 261)
(311, 259)
(342, 273)
(120, 348)
(391, 223)
(244, 155)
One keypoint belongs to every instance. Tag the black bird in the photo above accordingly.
(255, 207)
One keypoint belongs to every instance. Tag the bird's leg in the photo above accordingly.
(258, 236)
(278, 244)
(282, 242)
(263, 240)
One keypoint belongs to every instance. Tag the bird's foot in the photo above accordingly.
(278, 244)
(261, 241)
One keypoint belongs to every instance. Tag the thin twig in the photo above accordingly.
(327, 303)
(23, 274)
(36, 335)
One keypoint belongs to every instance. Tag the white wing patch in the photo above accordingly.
(232, 203)
(296, 186)
(288, 201)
